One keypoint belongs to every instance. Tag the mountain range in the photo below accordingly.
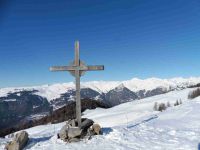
(21, 102)
(111, 92)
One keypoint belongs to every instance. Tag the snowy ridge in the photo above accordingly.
(136, 84)
(55, 90)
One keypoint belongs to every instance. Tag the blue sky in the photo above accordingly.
(135, 38)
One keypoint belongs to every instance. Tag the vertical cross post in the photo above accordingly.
(77, 75)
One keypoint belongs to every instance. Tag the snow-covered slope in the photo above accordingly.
(55, 90)
(133, 125)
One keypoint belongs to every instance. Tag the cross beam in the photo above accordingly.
(77, 69)
(80, 68)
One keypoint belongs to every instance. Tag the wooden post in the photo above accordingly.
(77, 75)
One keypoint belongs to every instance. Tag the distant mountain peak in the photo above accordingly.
(120, 87)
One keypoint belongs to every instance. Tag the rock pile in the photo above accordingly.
(70, 132)
(19, 141)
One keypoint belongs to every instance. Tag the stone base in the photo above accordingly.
(19, 141)
(72, 133)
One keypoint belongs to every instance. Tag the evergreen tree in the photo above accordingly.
(177, 103)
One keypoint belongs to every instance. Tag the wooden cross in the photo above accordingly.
(77, 69)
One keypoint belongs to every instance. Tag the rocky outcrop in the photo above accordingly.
(70, 132)
(63, 132)
(86, 123)
(73, 132)
(19, 141)
(96, 129)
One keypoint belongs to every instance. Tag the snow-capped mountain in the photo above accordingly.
(141, 88)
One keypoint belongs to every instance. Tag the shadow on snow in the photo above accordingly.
(106, 130)
(33, 141)
(144, 121)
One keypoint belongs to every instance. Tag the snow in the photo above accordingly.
(54, 91)
(36, 116)
(34, 107)
(18, 94)
(9, 100)
(132, 126)
(135, 109)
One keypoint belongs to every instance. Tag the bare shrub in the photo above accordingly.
(195, 93)
(168, 104)
(162, 107)
(180, 102)
(155, 107)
